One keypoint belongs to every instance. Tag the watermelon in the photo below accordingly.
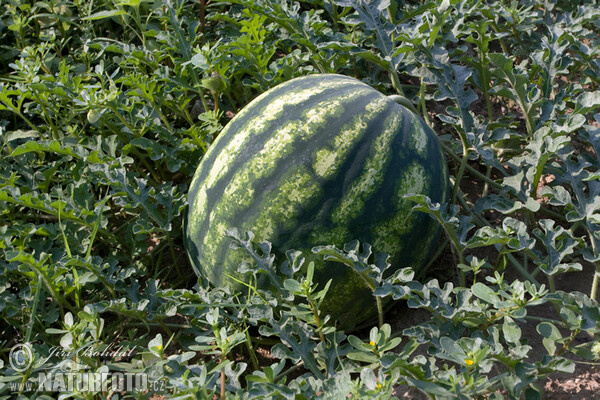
(318, 160)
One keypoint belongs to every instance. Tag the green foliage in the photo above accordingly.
(106, 108)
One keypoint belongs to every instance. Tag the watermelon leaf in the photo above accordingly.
(297, 338)
(371, 13)
(559, 243)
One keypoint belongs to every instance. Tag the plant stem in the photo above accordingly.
(47, 115)
(461, 260)
(251, 351)
(486, 185)
(538, 175)
(500, 254)
(223, 359)
(463, 164)
(502, 44)
(88, 253)
(289, 371)
(438, 252)
(403, 101)
(334, 15)
(23, 117)
(36, 300)
(568, 343)
(485, 83)
(372, 286)
(62, 231)
(59, 299)
(379, 310)
(122, 119)
(460, 173)
(396, 82)
(595, 281)
(472, 170)
(318, 321)
(423, 105)
(552, 284)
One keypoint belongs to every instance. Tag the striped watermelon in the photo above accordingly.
(321, 159)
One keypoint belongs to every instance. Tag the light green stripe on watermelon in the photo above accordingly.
(418, 137)
(378, 105)
(327, 161)
(272, 113)
(336, 234)
(297, 189)
(414, 179)
(240, 191)
(352, 205)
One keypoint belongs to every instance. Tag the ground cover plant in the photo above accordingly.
(107, 107)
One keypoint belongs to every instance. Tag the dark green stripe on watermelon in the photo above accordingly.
(319, 160)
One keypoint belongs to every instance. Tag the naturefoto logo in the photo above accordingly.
(71, 376)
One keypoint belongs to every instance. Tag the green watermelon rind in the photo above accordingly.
(318, 160)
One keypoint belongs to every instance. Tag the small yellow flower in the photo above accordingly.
(378, 385)
(229, 339)
(469, 362)
(159, 347)
(372, 343)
